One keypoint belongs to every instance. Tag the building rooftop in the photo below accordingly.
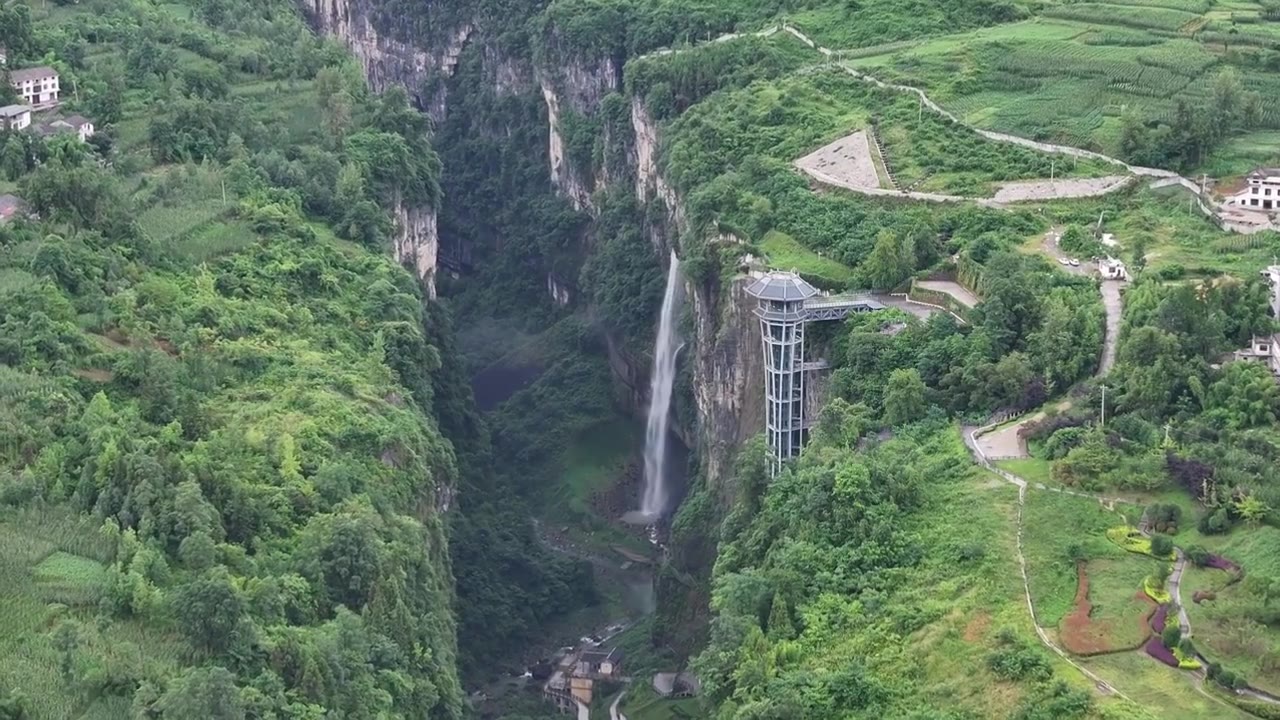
(1265, 172)
(782, 286)
(35, 73)
(78, 121)
(9, 111)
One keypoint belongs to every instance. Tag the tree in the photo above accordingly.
(1252, 508)
(1172, 634)
(208, 610)
(1138, 254)
(13, 157)
(886, 267)
(904, 399)
(1245, 396)
(209, 693)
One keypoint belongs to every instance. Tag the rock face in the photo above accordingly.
(387, 61)
(579, 87)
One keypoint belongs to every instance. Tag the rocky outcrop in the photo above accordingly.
(387, 61)
(416, 241)
(578, 87)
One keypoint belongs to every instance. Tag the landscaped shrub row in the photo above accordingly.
(1185, 661)
(1157, 619)
(1155, 591)
(1156, 649)
(1218, 562)
(1128, 537)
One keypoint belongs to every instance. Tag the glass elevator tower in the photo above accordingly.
(780, 306)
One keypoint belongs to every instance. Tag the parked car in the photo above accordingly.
(1063, 261)
(1075, 262)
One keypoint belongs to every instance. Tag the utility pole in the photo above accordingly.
(1052, 164)
(1104, 406)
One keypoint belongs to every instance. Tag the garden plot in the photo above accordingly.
(846, 161)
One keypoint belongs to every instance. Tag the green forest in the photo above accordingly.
(260, 460)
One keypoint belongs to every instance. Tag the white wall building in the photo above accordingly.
(1272, 276)
(15, 117)
(1112, 269)
(37, 86)
(1263, 191)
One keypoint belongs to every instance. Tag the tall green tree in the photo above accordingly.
(904, 398)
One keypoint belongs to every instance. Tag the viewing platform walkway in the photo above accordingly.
(838, 307)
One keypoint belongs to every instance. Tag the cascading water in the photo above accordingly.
(656, 493)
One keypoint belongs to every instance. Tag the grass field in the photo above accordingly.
(1033, 470)
(1114, 616)
(1070, 73)
(1053, 524)
(1155, 685)
(785, 253)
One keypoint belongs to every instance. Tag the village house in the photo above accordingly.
(572, 685)
(15, 117)
(1262, 192)
(4, 56)
(599, 664)
(1112, 269)
(79, 125)
(36, 86)
(10, 207)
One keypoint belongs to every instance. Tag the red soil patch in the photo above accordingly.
(1083, 635)
(977, 628)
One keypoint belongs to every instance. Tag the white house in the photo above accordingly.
(1263, 191)
(1112, 269)
(36, 86)
(15, 117)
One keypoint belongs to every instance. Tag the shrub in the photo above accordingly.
(1161, 545)
(1171, 636)
(1019, 663)
(1214, 523)
(1197, 555)
(1164, 517)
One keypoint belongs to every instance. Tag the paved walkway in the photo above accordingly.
(1114, 307)
(954, 289)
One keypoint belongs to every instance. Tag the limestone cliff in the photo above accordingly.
(386, 61)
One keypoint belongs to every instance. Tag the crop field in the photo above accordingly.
(1070, 73)
(51, 568)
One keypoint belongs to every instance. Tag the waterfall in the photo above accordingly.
(655, 499)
